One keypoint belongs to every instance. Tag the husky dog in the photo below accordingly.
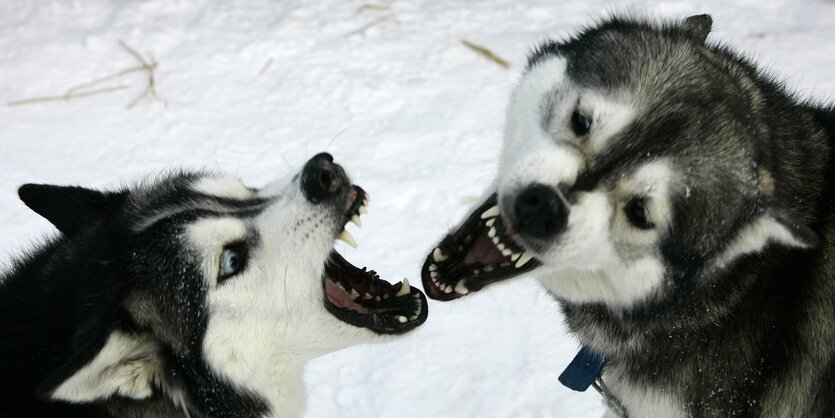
(679, 205)
(193, 295)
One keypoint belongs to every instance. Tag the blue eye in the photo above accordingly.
(232, 261)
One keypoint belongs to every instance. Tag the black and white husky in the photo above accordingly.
(679, 205)
(192, 295)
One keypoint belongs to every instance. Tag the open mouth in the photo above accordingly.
(480, 252)
(359, 297)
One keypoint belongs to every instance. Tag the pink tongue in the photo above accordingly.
(484, 251)
(341, 298)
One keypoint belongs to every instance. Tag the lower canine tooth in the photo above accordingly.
(461, 288)
(347, 238)
(524, 259)
(405, 289)
(439, 255)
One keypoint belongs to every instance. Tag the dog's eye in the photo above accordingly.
(580, 124)
(232, 261)
(636, 213)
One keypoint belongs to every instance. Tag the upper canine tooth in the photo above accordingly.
(491, 213)
(356, 220)
(345, 236)
(526, 256)
(405, 289)
(439, 255)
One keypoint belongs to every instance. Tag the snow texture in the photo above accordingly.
(256, 87)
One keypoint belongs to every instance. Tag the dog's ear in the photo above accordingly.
(770, 229)
(127, 365)
(698, 26)
(69, 208)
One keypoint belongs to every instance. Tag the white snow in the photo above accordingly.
(415, 117)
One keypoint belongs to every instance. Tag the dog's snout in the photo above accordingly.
(540, 211)
(322, 178)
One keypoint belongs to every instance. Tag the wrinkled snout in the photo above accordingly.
(540, 211)
(322, 178)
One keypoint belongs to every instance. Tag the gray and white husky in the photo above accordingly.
(678, 203)
(192, 295)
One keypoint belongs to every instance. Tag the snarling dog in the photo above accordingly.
(677, 202)
(189, 296)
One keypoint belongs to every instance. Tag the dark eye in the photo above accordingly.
(636, 213)
(580, 124)
(232, 261)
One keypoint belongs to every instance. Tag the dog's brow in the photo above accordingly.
(207, 205)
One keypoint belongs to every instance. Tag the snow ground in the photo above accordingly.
(414, 116)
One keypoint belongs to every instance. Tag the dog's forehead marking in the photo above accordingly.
(609, 115)
(227, 187)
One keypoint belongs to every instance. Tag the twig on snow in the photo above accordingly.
(486, 53)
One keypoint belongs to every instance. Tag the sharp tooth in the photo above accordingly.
(496, 240)
(402, 319)
(356, 220)
(433, 274)
(366, 296)
(506, 252)
(524, 259)
(448, 289)
(491, 222)
(515, 256)
(354, 294)
(439, 255)
(492, 232)
(491, 213)
(363, 210)
(461, 288)
(347, 238)
(433, 267)
(500, 246)
(405, 289)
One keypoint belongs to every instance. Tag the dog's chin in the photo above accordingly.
(480, 252)
(361, 298)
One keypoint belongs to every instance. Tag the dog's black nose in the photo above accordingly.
(321, 178)
(540, 211)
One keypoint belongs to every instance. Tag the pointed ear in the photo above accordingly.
(698, 26)
(127, 365)
(69, 208)
(769, 229)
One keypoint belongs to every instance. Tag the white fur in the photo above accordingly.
(267, 321)
(228, 187)
(755, 236)
(642, 401)
(127, 365)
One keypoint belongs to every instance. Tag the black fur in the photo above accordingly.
(59, 304)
